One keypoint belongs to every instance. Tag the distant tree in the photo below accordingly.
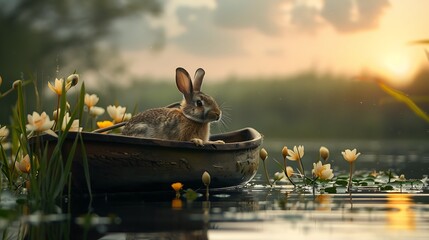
(39, 35)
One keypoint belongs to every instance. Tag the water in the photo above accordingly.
(254, 212)
(258, 213)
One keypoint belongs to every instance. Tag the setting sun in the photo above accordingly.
(398, 67)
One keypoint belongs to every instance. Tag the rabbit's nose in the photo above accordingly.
(218, 115)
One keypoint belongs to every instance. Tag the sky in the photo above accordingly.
(253, 38)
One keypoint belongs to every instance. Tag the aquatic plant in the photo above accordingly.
(324, 153)
(177, 186)
(206, 181)
(263, 155)
(350, 156)
(33, 166)
(322, 171)
(296, 155)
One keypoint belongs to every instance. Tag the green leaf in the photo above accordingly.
(331, 189)
(190, 194)
(342, 182)
(402, 97)
(386, 188)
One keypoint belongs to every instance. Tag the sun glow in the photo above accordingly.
(397, 68)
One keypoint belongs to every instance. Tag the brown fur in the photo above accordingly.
(189, 122)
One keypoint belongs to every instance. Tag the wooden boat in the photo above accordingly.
(119, 163)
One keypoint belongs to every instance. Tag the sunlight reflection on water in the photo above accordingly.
(385, 216)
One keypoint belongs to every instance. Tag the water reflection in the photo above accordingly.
(250, 213)
(401, 216)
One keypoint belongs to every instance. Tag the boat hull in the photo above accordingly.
(120, 163)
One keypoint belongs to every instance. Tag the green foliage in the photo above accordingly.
(301, 106)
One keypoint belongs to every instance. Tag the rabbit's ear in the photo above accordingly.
(198, 79)
(184, 83)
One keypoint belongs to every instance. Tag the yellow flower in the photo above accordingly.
(177, 186)
(58, 86)
(322, 171)
(350, 155)
(296, 154)
(75, 125)
(104, 124)
(24, 165)
(324, 153)
(39, 123)
(263, 154)
(206, 178)
(96, 111)
(117, 113)
(91, 100)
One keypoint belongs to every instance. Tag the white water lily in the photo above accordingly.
(117, 113)
(57, 88)
(350, 155)
(289, 171)
(4, 132)
(91, 100)
(296, 154)
(322, 171)
(39, 123)
(96, 111)
(75, 124)
(278, 176)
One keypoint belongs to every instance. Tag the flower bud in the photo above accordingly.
(16, 83)
(284, 152)
(263, 154)
(206, 178)
(1, 80)
(73, 79)
(324, 153)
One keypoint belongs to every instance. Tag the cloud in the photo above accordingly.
(260, 15)
(353, 15)
(201, 36)
(305, 17)
(137, 33)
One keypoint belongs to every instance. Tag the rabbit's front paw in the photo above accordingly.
(199, 142)
(218, 142)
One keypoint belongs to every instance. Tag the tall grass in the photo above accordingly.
(50, 165)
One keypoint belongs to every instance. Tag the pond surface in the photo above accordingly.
(258, 213)
(255, 211)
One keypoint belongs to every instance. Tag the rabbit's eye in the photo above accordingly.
(199, 103)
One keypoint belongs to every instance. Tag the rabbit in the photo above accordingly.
(189, 121)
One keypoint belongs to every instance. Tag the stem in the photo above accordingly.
(350, 179)
(301, 166)
(266, 174)
(58, 114)
(288, 178)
